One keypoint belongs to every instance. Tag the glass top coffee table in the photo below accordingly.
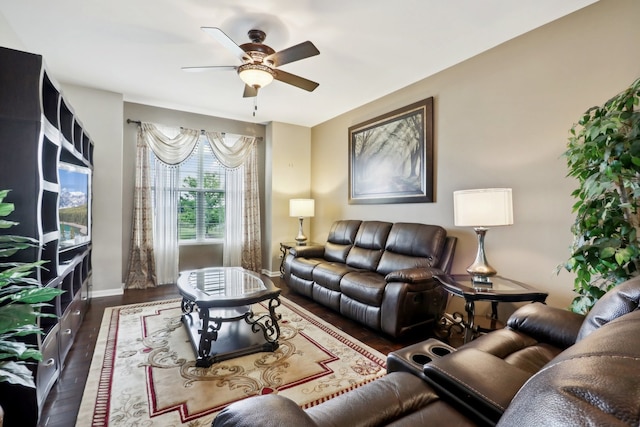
(225, 325)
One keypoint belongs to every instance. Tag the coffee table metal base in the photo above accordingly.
(218, 334)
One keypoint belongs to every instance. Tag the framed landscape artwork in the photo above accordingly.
(391, 157)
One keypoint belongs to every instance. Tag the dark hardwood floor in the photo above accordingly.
(63, 402)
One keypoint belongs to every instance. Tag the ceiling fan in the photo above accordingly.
(260, 62)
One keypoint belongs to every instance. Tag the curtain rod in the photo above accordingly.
(138, 122)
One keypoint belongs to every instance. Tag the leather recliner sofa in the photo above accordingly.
(377, 273)
(547, 367)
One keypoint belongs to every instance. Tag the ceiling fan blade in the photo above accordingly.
(209, 68)
(293, 53)
(249, 91)
(294, 80)
(226, 41)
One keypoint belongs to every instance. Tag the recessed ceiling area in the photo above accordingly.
(367, 49)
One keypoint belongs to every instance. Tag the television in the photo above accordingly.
(74, 206)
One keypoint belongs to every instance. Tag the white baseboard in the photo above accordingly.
(271, 273)
(107, 292)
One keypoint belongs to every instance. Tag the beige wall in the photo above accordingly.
(501, 119)
(101, 115)
(289, 160)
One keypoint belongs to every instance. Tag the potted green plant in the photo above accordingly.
(21, 300)
(604, 156)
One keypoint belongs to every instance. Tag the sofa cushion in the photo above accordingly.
(390, 262)
(553, 325)
(329, 274)
(412, 245)
(362, 313)
(335, 252)
(252, 412)
(622, 299)
(341, 237)
(365, 286)
(393, 397)
(369, 244)
(515, 348)
(594, 382)
(303, 267)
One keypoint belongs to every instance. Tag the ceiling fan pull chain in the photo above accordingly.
(255, 105)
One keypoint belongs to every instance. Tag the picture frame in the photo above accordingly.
(391, 157)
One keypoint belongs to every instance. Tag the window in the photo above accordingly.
(200, 189)
(201, 181)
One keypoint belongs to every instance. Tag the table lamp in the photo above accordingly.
(301, 208)
(481, 209)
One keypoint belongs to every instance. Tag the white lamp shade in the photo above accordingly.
(301, 208)
(255, 75)
(487, 207)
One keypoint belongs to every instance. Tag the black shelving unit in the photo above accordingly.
(38, 129)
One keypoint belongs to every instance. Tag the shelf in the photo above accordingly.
(38, 130)
(77, 136)
(49, 168)
(86, 146)
(49, 211)
(66, 124)
(50, 100)
(49, 254)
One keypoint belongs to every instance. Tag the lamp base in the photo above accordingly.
(480, 270)
(301, 238)
(479, 280)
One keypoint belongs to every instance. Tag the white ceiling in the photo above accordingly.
(367, 48)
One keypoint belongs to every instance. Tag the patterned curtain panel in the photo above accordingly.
(251, 248)
(141, 270)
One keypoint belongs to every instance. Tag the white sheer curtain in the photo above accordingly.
(232, 255)
(165, 227)
(242, 200)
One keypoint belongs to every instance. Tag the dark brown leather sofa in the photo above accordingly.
(548, 367)
(377, 273)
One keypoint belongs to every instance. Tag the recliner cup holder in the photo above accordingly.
(414, 357)
(421, 359)
(440, 351)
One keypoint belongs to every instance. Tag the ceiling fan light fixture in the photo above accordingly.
(256, 75)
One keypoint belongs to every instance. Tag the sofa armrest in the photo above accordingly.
(547, 324)
(478, 382)
(413, 275)
(307, 251)
(269, 410)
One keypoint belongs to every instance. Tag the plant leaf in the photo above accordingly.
(16, 373)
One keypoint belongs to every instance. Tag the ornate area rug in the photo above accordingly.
(143, 370)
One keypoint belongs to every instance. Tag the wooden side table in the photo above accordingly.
(502, 290)
(284, 250)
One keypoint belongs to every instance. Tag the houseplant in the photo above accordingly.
(21, 299)
(604, 156)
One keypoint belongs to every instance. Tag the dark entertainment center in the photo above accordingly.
(47, 163)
